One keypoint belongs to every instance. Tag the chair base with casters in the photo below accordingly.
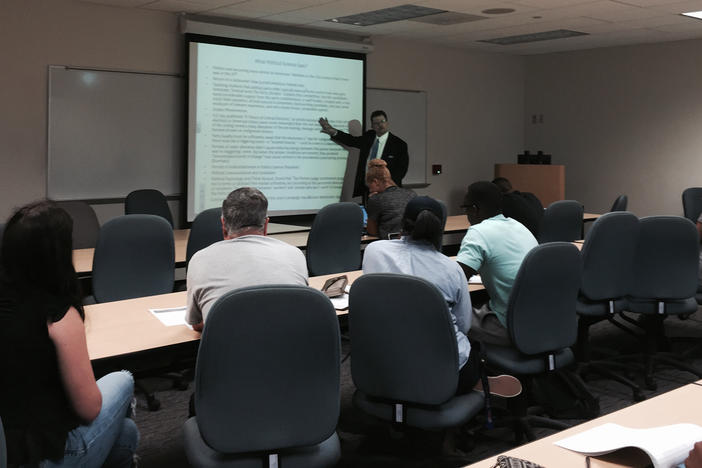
(326, 453)
(656, 344)
(511, 361)
(609, 368)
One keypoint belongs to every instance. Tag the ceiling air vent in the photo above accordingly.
(533, 37)
(387, 15)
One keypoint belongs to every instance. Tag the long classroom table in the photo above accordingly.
(83, 258)
(681, 405)
(127, 327)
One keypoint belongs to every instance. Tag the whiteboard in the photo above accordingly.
(112, 132)
(407, 116)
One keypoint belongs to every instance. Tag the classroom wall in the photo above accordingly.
(475, 100)
(38, 33)
(474, 108)
(622, 120)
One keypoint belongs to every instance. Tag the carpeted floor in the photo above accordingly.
(367, 444)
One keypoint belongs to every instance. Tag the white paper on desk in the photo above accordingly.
(341, 302)
(171, 316)
(475, 279)
(667, 446)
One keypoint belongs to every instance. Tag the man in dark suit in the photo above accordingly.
(376, 143)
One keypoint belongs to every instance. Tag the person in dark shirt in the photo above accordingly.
(524, 207)
(386, 202)
(53, 410)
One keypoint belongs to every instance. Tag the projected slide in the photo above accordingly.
(253, 122)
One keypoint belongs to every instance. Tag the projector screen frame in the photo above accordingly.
(278, 47)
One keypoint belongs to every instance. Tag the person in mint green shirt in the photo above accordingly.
(494, 247)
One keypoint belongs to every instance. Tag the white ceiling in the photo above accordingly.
(608, 22)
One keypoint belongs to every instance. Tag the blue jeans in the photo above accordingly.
(111, 439)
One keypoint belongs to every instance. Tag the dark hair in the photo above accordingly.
(427, 228)
(37, 254)
(486, 196)
(503, 183)
(376, 113)
(244, 207)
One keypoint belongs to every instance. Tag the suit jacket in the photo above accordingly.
(394, 153)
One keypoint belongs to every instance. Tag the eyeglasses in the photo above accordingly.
(378, 122)
(467, 207)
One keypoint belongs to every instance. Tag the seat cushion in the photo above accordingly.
(511, 361)
(648, 307)
(589, 308)
(324, 454)
(456, 411)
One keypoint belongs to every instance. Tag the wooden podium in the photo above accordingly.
(545, 181)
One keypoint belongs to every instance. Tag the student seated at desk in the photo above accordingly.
(386, 201)
(493, 246)
(52, 409)
(419, 253)
(246, 256)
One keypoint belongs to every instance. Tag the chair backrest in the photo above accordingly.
(620, 203)
(148, 201)
(562, 222)
(267, 372)
(334, 243)
(404, 344)
(666, 261)
(85, 223)
(608, 256)
(692, 203)
(541, 311)
(206, 230)
(134, 257)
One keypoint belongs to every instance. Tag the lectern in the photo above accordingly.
(545, 181)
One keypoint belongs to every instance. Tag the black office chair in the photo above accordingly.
(134, 257)
(692, 203)
(664, 283)
(267, 381)
(608, 257)
(85, 223)
(562, 222)
(205, 231)
(542, 323)
(620, 203)
(405, 358)
(334, 242)
(148, 201)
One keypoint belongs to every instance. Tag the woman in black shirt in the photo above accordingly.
(51, 406)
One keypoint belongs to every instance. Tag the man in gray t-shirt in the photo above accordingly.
(246, 257)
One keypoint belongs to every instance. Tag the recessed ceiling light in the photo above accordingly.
(693, 14)
(498, 11)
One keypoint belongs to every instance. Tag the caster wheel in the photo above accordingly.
(153, 404)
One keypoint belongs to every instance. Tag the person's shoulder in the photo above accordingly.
(382, 247)
(397, 139)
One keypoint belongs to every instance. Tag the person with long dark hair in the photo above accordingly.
(53, 410)
(418, 253)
